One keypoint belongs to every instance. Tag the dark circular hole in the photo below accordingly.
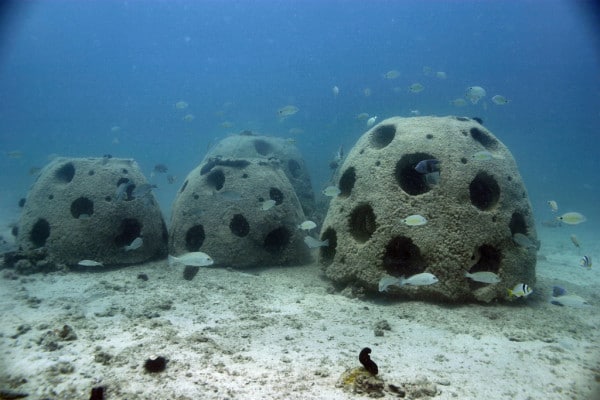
(194, 238)
(463, 160)
(216, 179)
(39, 233)
(377, 163)
(410, 180)
(245, 176)
(107, 198)
(82, 207)
(277, 240)
(50, 197)
(21, 202)
(66, 173)
(276, 194)
(382, 136)
(362, 223)
(91, 172)
(295, 168)
(429, 136)
(484, 191)
(263, 148)
(124, 171)
(239, 225)
(402, 257)
(14, 231)
(517, 224)
(129, 229)
(485, 139)
(489, 259)
(347, 182)
(196, 196)
(361, 151)
(509, 178)
(327, 253)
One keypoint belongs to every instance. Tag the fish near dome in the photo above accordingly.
(92, 209)
(395, 218)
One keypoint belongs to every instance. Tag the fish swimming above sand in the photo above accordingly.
(586, 262)
(520, 290)
(423, 279)
(90, 263)
(193, 259)
(561, 298)
(572, 218)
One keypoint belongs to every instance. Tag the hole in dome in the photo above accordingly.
(347, 182)
(382, 136)
(245, 176)
(50, 197)
(276, 194)
(216, 179)
(488, 259)
(196, 196)
(483, 138)
(327, 253)
(295, 168)
(377, 163)
(82, 207)
(362, 223)
(509, 178)
(130, 229)
(108, 198)
(429, 136)
(39, 233)
(411, 181)
(403, 258)
(239, 225)
(124, 171)
(484, 191)
(263, 148)
(517, 224)
(194, 238)
(66, 173)
(277, 240)
(91, 172)
(463, 160)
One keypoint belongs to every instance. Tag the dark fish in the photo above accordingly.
(160, 168)
(558, 291)
(428, 166)
(171, 179)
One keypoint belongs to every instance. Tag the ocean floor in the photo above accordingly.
(285, 333)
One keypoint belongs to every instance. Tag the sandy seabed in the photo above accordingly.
(284, 333)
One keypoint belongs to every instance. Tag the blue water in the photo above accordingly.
(70, 71)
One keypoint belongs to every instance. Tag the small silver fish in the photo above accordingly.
(331, 191)
(122, 190)
(268, 204)
(90, 263)
(307, 225)
(193, 259)
(423, 279)
(313, 243)
(525, 241)
(135, 244)
(483, 277)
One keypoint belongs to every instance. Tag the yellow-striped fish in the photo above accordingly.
(586, 262)
(572, 218)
